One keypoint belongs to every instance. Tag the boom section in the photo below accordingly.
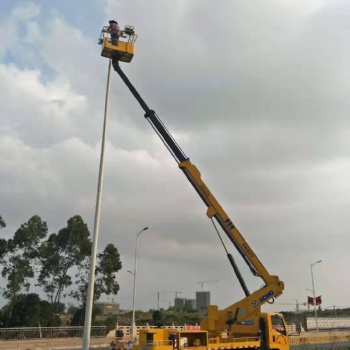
(214, 208)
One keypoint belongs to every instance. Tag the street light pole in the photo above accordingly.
(313, 291)
(90, 291)
(133, 326)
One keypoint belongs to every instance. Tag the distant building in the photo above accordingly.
(107, 308)
(202, 300)
(190, 304)
(179, 303)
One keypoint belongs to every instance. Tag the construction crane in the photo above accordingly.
(203, 282)
(296, 304)
(176, 293)
(168, 301)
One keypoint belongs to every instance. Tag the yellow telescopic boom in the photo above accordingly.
(249, 306)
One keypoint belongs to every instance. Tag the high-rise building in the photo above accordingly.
(179, 303)
(202, 300)
(190, 304)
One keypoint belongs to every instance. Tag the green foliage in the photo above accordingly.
(110, 323)
(27, 238)
(21, 253)
(71, 247)
(72, 309)
(108, 264)
(79, 316)
(2, 222)
(30, 311)
(157, 318)
(60, 308)
(3, 249)
(3, 242)
(17, 271)
(58, 262)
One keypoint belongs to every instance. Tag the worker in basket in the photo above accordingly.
(114, 30)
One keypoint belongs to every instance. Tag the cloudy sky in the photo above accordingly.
(255, 93)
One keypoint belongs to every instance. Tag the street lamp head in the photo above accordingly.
(131, 272)
(312, 264)
(144, 229)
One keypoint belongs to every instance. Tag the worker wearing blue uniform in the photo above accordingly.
(114, 30)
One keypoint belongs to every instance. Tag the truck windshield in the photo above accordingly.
(278, 324)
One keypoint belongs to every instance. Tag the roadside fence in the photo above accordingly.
(49, 332)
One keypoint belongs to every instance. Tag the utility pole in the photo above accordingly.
(133, 326)
(313, 291)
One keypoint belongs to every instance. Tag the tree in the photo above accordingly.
(187, 307)
(110, 323)
(157, 318)
(69, 248)
(28, 237)
(60, 308)
(79, 316)
(108, 263)
(57, 261)
(72, 309)
(3, 242)
(31, 311)
(3, 249)
(2, 222)
(21, 253)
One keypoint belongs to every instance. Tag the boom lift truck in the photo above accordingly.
(241, 324)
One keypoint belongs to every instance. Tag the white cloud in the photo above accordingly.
(25, 11)
(40, 112)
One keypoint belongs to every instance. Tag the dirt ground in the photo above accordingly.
(55, 344)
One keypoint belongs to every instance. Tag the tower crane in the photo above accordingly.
(168, 301)
(203, 282)
(176, 293)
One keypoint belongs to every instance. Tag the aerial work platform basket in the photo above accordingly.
(124, 50)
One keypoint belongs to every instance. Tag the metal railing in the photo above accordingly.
(49, 332)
